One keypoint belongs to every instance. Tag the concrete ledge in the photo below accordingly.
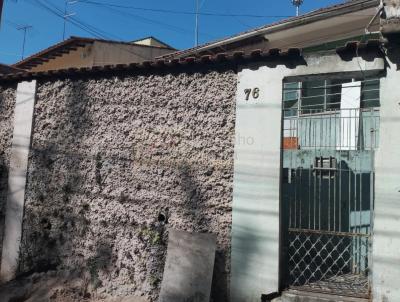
(300, 296)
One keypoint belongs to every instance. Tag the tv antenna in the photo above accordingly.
(67, 15)
(196, 31)
(297, 3)
(24, 28)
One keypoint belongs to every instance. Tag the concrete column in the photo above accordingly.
(21, 142)
(386, 240)
(255, 228)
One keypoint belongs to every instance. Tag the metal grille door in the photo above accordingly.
(327, 198)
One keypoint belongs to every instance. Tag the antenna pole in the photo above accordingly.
(297, 3)
(25, 29)
(196, 31)
(65, 18)
(66, 15)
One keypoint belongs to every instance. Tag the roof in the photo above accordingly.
(164, 45)
(6, 69)
(354, 48)
(64, 47)
(157, 64)
(316, 15)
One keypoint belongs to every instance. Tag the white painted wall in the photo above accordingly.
(386, 241)
(255, 226)
(255, 233)
(21, 142)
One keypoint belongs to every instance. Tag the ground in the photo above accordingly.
(56, 287)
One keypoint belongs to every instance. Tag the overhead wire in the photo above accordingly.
(84, 26)
(99, 33)
(114, 8)
(229, 14)
(168, 11)
(177, 11)
(61, 15)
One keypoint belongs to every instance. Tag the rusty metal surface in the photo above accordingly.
(347, 285)
(328, 232)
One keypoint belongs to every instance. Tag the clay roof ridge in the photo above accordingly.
(237, 57)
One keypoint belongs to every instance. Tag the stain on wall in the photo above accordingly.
(114, 160)
(7, 104)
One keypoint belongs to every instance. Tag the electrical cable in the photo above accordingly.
(82, 25)
(192, 13)
(178, 12)
(149, 21)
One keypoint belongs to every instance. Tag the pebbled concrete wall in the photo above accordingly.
(7, 104)
(112, 159)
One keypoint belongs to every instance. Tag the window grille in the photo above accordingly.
(319, 96)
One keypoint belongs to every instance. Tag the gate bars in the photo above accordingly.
(328, 181)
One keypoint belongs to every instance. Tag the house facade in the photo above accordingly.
(78, 52)
(289, 156)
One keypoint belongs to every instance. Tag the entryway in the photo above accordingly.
(330, 132)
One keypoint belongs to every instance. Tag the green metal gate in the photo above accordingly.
(328, 184)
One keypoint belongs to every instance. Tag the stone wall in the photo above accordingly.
(7, 104)
(115, 162)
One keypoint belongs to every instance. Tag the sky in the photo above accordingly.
(171, 21)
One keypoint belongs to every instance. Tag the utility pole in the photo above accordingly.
(196, 31)
(66, 15)
(297, 3)
(25, 29)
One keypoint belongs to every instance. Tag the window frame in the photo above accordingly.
(300, 110)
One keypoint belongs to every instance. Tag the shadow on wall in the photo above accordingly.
(7, 104)
(51, 222)
(197, 211)
(56, 219)
(59, 232)
(76, 216)
(393, 54)
(3, 196)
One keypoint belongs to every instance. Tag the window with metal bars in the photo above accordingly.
(321, 95)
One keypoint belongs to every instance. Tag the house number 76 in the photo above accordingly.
(255, 93)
